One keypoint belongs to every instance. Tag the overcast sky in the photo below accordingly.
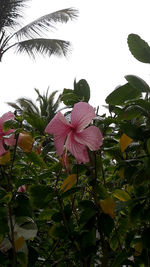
(100, 52)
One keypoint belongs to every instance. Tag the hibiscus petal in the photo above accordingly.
(79, 151)
(81, 115)
(59, 143)
(60, 128)
(11, 140)
(22, 188)
(2, 149)
(90, 137)
(7, 116)
(58, 125)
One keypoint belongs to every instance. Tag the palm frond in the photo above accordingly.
(10, 12)
(44, 47)
(28, 105)
(52, 105)
(44, 23)
(15, 106)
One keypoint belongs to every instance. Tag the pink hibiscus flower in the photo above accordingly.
(8, 141)
(77, 136)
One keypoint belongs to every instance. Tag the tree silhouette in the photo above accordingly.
(29, 39)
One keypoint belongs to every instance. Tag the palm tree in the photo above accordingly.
(29, 38)
(38, 114)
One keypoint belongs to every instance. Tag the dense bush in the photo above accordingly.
(56, 211)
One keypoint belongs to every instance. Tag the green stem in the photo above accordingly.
(12, 235)
(66, 224)
(10, 214)
(102, 239)
(102, 169)
(52, 251)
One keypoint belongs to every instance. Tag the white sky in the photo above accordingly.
(100, 51)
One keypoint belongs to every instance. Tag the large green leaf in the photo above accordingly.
(82, 89)
(138, 83)
(69, 97)
(131, 130)
(139, 48)
(122, 94)
(131, 112)
(107, 224)
(86, 215)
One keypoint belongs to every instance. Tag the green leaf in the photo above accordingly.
(22, 259)
(132, 130)
(107, 224)
(82, 89)
(36, 121)
(10, 124)
(36, 159)
(119, 259)
(102, 192)
(7, 198)
(138, 83)
(122, 94)
(71, 191)
(45, 193)
(3, 226)
(131, 113)
(2, 193)
(69, 98)
(58, 231)
(22, 206)
(145, 238)
(57, 217)
(86, 215)
(45, 215)
(85, 204)
(143, 104)
(88, 238)
(139, 48)
(121, 195)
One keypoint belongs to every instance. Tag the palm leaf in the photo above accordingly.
(15, 106)
(28, 105)
(42, 24)
(10, 12)
(43, 46)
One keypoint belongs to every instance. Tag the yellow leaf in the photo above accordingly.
(19, 243)
(108, 206)
(25, 141)
(121, 195)
(5, 158)
(125, 141)
(138, 249)
(121, 172)
(69, 182)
